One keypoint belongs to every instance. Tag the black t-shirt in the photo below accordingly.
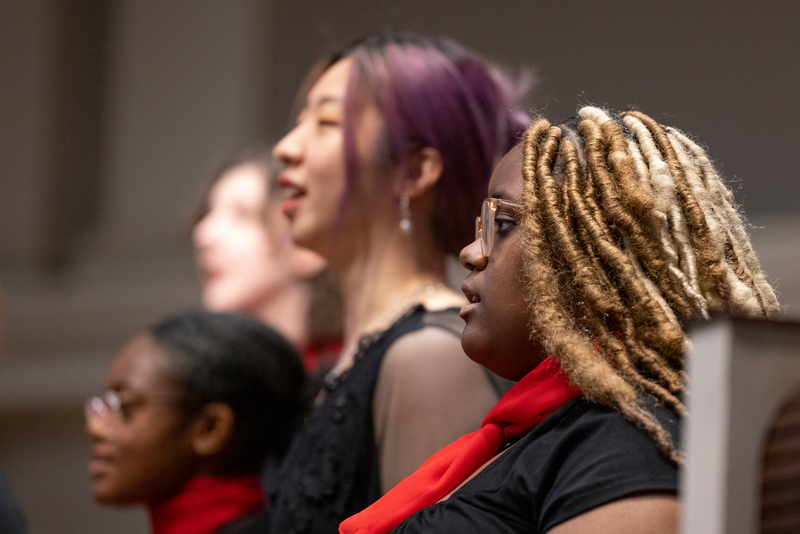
(579, 458)
(257, 523)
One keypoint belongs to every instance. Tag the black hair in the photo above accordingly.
(239, 361)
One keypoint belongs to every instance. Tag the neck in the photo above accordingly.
(391, 267)
(287, 312)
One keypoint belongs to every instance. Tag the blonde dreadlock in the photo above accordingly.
(629, 231)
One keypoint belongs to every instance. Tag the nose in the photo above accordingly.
(472, 257)
(204, 232)
(98, 427)
(289, 149)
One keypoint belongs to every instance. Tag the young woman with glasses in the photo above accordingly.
(601, 239)
(193, 408)
(388, 161)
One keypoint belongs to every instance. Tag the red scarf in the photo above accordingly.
(204, 504)
(324, 354)
(540, 393)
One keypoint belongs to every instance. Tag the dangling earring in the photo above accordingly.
(405, 215)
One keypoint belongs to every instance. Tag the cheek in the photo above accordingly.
(254, 254)
(242, 258)
(150, 465)
(326, 166)
(497, 335)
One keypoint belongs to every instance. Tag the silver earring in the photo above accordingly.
(405, 215)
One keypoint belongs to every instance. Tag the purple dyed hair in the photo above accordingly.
(434, 92)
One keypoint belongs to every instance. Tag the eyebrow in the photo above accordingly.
(325, 100)
(118, 388)
(502, 195)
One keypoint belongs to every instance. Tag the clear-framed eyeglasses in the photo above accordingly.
(106, 409)
(485, 226)
(109, 409)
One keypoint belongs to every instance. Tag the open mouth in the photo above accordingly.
(292, 193)
(473, 300)
(471, 297)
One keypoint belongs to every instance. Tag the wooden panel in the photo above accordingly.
(780, 483)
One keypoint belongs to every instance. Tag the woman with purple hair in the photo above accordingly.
(388, 162)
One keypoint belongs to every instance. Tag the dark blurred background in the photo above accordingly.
(112, 112)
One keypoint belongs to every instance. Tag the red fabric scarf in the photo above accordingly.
(540, 393)
(204, 504)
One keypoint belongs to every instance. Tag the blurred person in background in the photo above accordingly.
(385, 168)
(601, 239)
(12, 521)
(193, 407)
(249, 263)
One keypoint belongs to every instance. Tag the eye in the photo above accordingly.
(126, 409)
(504, 224)
(329, 120)
(127, 406)
(504, 220)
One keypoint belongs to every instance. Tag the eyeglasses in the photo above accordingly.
(110, 410)
(485, 227)
(105, 408)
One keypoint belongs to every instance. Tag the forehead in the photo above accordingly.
(141, 365)
(245, 182)
(332, 85)
(506, 179)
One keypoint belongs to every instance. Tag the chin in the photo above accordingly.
(218, 301)
(486, 356)
(106, 496)
(474, 351)
(305, 240)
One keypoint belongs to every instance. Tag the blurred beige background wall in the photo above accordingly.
(112, 111)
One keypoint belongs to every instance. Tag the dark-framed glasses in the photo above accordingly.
(485, 225)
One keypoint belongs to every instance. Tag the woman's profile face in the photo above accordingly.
(241, 264)
(497, 330)
(143, 453)
(314, 177)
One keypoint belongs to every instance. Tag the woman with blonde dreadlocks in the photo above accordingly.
(600, 239)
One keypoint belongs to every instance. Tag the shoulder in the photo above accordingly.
(249, 524)
(431, 354)
(428, 339)
(586, 455)
(11, 517)
(583, 432)
(581, 420)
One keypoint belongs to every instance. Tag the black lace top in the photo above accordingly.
(331, 470)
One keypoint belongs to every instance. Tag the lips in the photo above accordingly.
(473, 298)
(99, 464)
(207, 269)
(293, 193)
(209, 275)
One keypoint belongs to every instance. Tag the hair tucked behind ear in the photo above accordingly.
(238, 361)
(433, 92)
(629, 233)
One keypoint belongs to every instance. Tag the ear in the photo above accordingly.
(213, 429)
(424, 170)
